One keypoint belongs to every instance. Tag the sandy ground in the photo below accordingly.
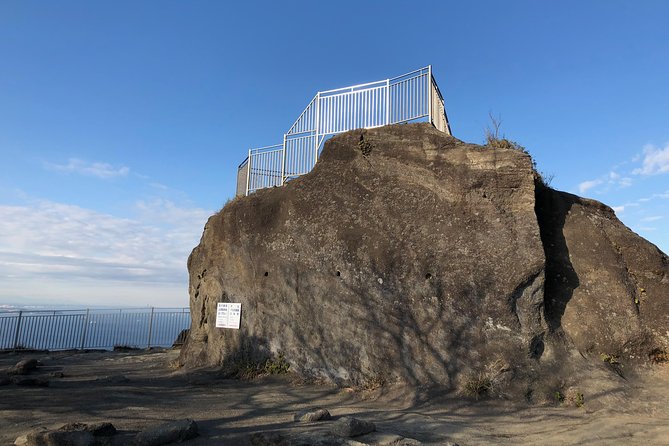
(228, 410)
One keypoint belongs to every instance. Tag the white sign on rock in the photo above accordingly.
(228, 315)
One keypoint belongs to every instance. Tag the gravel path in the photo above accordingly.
(135, 390)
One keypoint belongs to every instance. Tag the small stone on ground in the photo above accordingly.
(172, 432)
(104, 429)
(387, 439)
(318, 414)
(352, 427)
(72, 434)
(24, 367)
(60, 438)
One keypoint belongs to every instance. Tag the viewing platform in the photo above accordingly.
(411, 97)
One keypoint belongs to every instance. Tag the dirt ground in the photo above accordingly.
(92, 389)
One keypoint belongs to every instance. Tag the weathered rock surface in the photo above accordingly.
(423, 261)
(386, 439)
(167, 433)
(24, 367)
(102, 429)
(352, 427)
(181, 338)
(312, 415)
(607, 289)
(60, 438)
(73, 434)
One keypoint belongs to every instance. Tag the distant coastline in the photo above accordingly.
(66, 307)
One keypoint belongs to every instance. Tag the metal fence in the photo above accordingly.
(412, 97)
(92, 329)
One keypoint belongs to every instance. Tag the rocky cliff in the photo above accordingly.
(410, 256)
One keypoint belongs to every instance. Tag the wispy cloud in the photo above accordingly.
(655, 160)
(611, 180)
(615, 179)
(587, 185)
(92, 169)
(661, 195)
(45, 242)
(638, 188)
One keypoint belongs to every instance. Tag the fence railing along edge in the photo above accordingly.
(83, 329)
(410, 97)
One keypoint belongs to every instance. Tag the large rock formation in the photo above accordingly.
(607, 288)
(407, 255)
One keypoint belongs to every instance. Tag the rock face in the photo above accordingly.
(607, 288)
(410, 256)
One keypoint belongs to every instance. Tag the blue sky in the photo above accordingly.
(122, 123)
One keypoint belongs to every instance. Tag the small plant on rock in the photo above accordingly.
(478, 385)
(364, 146)
(574, 398)
(658, 356)
(610, 359)
(245, 368)
(559, 397)
(493, 139)
(276, 366)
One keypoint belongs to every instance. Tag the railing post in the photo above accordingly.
(248, 175)
(148, 343)
(283, 161)
(429, 94)
(85, 330)
(387, 101)
(18, 330)
(316, 125)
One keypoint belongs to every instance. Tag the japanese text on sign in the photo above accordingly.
(228, 315)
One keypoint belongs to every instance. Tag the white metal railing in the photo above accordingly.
(410, 97)
(92, 329)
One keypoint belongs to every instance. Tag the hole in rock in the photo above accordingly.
(428, 276)
(266, 273)
(338, 273)
(537, 347)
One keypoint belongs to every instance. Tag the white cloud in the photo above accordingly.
(587, 185)
(49, 248)
(615, 179)
(625, 182)
(618, 209)
(663, 195)
(655, 161)
(91, 169)
(653, 218)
